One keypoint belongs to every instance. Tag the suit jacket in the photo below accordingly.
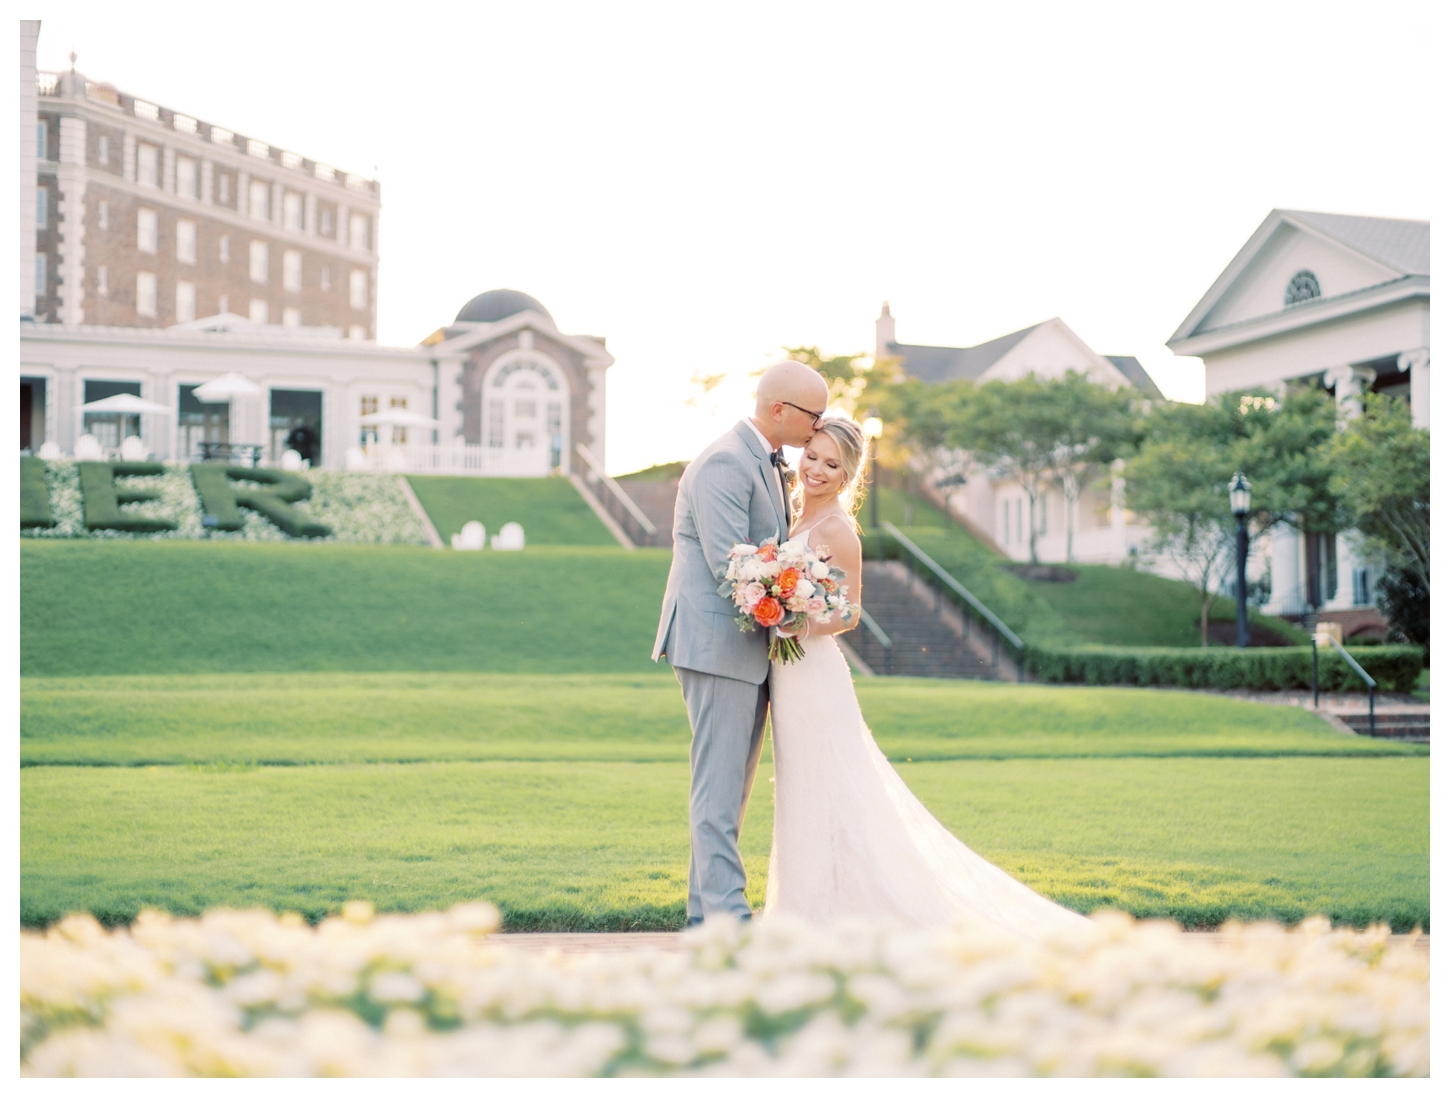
(727, 496)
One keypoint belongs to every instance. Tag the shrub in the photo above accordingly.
(221, 499)
(34, 495)
(1393, 667)
(103, 500)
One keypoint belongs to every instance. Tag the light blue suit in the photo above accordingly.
(729, 494)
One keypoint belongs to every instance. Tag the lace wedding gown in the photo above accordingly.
(851, 841)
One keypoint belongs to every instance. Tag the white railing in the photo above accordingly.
(446, 460)
(597, 468)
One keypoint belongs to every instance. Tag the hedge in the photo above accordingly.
(1394, 667)
(34, 494)
(103, 500)
(220, 498)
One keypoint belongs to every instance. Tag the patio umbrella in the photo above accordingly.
(396, 417)
(220, 389)
(123, 404)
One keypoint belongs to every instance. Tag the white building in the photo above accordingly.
(998, 510)
(1326, 299)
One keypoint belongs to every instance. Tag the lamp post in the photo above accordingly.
(872, 428)
(1239, 498)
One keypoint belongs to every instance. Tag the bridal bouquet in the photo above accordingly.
(777, 586)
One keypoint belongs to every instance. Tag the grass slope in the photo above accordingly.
(1104, 605)
(305, 719)
(549, 509)
(92, 608)
(563, 798)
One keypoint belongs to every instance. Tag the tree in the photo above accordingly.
(1178, 481)
(854, 380)
(1381, 474)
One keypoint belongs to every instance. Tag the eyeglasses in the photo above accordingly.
(816, 417)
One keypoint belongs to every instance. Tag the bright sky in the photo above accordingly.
(704, 184)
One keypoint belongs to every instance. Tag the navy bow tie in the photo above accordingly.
(777, 458)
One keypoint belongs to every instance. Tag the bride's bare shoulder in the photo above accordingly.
(838, 533)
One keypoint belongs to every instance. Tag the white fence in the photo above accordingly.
(448, 460)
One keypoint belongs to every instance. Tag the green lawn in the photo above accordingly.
(563, 798)
(550, 509)
(136, 607)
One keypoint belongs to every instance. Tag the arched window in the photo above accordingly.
(526, 399)
(1302, 287)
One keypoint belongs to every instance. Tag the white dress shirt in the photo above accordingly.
(769, 449)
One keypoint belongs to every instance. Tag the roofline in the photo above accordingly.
(483, 331)
(240, 341)
(974, 346)
(1245, 255)
(1318, 311)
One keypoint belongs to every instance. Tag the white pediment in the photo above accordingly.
(1261, 285)
(1051, 350)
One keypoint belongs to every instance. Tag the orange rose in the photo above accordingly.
(787, 580)
(768, 612)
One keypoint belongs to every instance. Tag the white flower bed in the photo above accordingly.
(247, 993)
(361, 508)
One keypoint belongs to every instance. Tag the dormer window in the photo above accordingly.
(1302, 287)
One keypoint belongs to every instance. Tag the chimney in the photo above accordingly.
(885, 330)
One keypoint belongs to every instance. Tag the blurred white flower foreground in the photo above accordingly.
(247, 993)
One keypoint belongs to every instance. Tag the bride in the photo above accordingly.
(851, 841)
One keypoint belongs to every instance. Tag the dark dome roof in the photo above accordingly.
(498, 305)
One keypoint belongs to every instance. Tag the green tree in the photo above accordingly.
(1381, 475)
(1178, 480)
(856, 381)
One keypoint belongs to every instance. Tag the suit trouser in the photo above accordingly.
(727, 722)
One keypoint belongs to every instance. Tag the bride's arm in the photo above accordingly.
(844, 546)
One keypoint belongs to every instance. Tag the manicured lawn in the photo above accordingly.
(563, 798)
(549, 509)
(113, 607)
(305, 719)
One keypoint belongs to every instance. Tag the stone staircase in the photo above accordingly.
(928, 638)
(656, 498)
(1410, 723)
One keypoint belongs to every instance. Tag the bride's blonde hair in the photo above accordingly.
(850, 441)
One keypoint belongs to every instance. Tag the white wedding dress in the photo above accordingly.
(851, 841)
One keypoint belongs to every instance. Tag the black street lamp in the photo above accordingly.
(1238, 499)
(872, 429)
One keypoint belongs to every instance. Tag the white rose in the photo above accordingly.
(805, 588)
(820, 570)
(743, 550)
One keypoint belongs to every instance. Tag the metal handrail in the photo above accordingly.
(619, 493)
(876, 631)
(1360, 671)
(947, 581)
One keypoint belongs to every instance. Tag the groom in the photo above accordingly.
(734, 492)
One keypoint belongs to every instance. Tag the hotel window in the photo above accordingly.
(186, 241)
(326, 282)
(357, 289)
(495, 425)
(40, 140)
(292, 211)
(103, 214)
(400, 434)
(369, 405)
(357, 331)
(292, 270)
(146, 173)
(257, 195)
(358, 232)
(40, 207)
(102, 275)
(224, 189)
(103, 150)
(145, 293)
(186, 177)
(223, 304)
(325, 221)
(258, 311)
(185, 302)
(224, 248)
(291, 318)
(146, 231)
(259, 261)
(40, 273)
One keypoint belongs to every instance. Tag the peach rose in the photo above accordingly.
(767, 551)
(768, 612)
(787, 581)
(754, 592)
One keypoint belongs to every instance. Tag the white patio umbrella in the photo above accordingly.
(223, 388)
(122, 404)
(396, 417)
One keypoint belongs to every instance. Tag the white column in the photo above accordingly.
(596, 418)
(1417, 362)
(71, 210)
(29, 120)
(1286, 595)
(1348, 383)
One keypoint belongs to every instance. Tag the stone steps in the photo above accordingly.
(1395, 724)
